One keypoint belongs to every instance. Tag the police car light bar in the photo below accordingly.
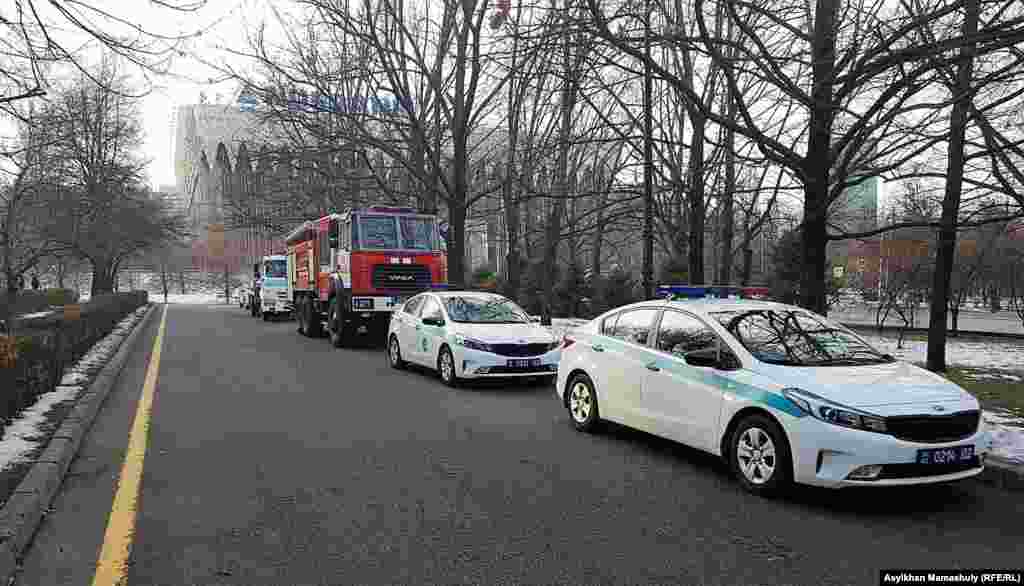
(678, 292)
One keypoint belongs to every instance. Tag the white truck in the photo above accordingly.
(269, 295)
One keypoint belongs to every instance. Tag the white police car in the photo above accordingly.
(467, 334)
(782, 394)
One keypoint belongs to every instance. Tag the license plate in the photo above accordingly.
(524, 363)
(954, 455)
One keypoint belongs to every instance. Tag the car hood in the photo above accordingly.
(875, 385)
(505, 333)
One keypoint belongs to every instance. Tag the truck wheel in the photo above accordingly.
(313, 328)
(339, 334)
(266, 316)
(300, 314)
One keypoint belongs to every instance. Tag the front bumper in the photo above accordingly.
(825, 455)
(471, 363)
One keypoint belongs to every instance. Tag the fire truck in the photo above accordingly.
(348, 271)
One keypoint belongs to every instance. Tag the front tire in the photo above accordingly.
(759, 456)
(336, 325)
(312, 321)
(582, 404)
(446, 367)
(395, 353)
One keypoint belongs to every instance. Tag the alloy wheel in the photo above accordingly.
(756, 453)
(581, 402)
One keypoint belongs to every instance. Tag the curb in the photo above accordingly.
(30, 501)
(1002, 474)
(872, 328)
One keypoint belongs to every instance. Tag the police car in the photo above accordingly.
(468, 334)
(782, 394)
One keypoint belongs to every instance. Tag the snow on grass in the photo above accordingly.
(1005, 354)
(21, 436)
(1007, 433)
(24, 434)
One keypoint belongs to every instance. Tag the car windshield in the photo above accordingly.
(276, 269)
(797, 338)
(484, 310)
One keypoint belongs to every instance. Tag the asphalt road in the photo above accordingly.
(276, 459)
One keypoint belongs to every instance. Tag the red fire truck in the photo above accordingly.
(347, 272)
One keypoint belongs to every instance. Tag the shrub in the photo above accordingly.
(46, 346)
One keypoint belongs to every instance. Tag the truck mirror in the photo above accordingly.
(333, 241)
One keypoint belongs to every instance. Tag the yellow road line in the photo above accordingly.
(112, 567)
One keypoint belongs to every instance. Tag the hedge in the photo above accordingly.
(46, 346)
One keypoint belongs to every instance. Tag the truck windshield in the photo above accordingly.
(380, 232)
(275, 269)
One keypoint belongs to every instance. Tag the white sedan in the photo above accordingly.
(782, 394)
(465, 334)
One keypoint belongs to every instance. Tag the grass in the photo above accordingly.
(994, 393)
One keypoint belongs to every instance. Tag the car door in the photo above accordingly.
(428, 337)
(406, 321)
(682, 394)
(623, 353)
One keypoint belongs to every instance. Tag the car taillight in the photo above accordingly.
(567, 341)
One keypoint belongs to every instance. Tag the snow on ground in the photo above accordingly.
(35, 315)
(23, 435)
(1007, 436)
(1004, 354)
(189, 298)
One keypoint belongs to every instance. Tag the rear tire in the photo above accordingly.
(313, 326)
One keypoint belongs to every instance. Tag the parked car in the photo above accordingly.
(782, 394)
(466, 334)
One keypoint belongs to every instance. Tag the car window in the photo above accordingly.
(412, 305)
(634, 326)
(490, 309)
(608, 325)
(680, 333)
(431, 308)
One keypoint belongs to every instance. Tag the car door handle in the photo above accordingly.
(653, 366)
(597, 348)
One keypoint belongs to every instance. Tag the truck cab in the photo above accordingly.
(349, 271)
(270, 296)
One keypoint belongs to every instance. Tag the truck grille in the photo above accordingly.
(401, 277)
(934, 428)
(520, 349)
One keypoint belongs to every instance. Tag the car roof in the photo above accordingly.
(708, 305)
(466, 293)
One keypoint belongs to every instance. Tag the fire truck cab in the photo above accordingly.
(347, 272)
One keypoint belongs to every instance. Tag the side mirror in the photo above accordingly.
(433, 321)
(707, 357)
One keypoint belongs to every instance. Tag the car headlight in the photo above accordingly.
(472, 344)
(834, 413)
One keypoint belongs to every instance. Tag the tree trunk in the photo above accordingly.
(819, 161)
(695, 201)
(748, 262)
(946, 250)
(181, 281)
(561, 180)
(104, 276)
(729, 189)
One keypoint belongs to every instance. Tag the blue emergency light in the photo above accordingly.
(680, 292)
